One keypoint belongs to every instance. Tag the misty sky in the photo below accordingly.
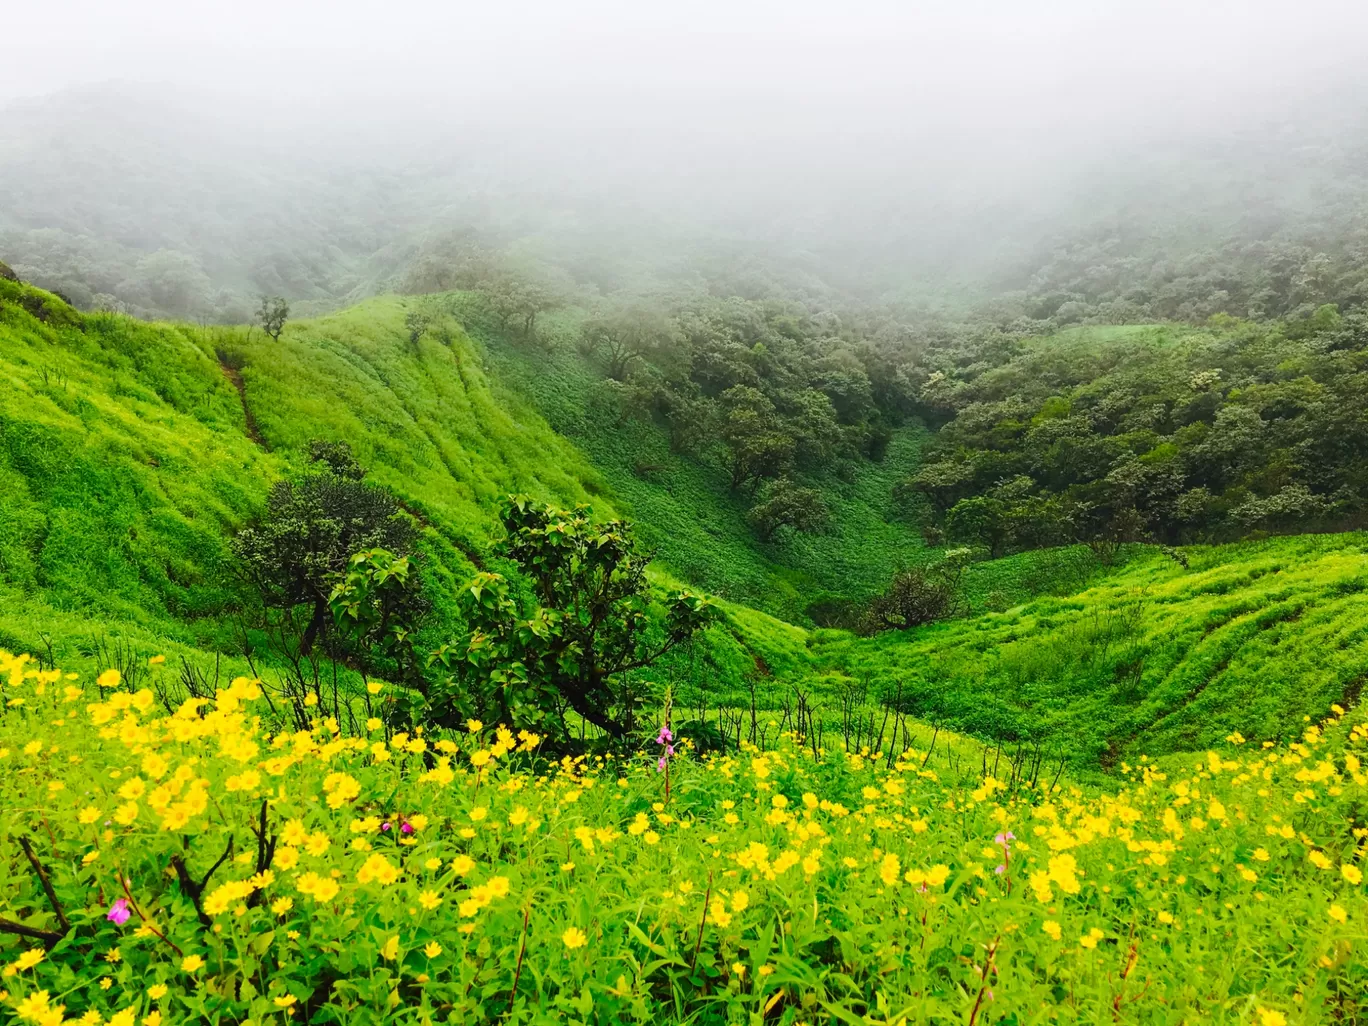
(849, 113)
(906, 65)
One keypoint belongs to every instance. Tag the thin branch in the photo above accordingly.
(698, 944)
(522, 950)
(194, 891)
(48, 937)
(47, 884)
(123, 882)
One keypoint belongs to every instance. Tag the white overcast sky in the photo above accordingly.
(842, 96)
(1122, 56)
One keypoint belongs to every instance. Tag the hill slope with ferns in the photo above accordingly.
(130, 453)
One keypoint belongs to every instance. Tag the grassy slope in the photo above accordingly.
(682, 505)
(1153, 658)
(126, 462)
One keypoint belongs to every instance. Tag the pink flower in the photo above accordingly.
(407, 828)
(118, 912)
(660, 766)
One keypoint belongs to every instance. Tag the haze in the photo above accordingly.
(900, 134)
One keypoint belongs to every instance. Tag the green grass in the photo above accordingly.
(1153, 658)
(127, 460)
(682, 504)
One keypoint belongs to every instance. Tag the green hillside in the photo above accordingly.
(131, 452)
(682, 503)
(128, 459)
(1155, 657)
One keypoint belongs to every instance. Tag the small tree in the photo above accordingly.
(416, 324)
(571, 636)
(918, 595)
(377, 604)
(785, 504)
(624, 335)
(271, 315)
(756, 448)
(302, 544)
(981, 520)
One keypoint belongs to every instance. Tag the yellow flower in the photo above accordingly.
(1052, 929)
(567, 867)
(1271, 1017)
(432, 949)
(888, 870)
(651, 837)
(28, 959)
(429, 900)
(1338, 914)
(282, 905)
(1062, 872)
(152, 1019)
(192, 963)
(374, 687)
(474, 726)
(1090, 939)
(158, 992)
(462, 864)
(739, 968)
(284, 1000)
(1352, 873)
(109, 679)
(574, 937)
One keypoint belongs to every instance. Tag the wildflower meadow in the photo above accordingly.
(205, 863)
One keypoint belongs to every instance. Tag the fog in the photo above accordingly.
(853, 127)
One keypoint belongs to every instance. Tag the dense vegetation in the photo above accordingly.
(1177, 434)
(207, 861)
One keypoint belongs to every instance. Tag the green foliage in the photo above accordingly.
(271, 315)
(917, 595)
(571, 640)
(1182, 435)
(303, 543)
(1153, 657)
(784, 504)
(377, 605)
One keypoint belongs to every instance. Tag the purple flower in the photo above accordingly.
(1000, 870)
(407, 828)
(1004, 837)
(660, 766)
(669, 749)
(665, 736)
(384, 827)
(118, 912)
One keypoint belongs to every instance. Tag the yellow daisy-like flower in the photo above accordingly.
(28, 959)
(192, 963)
(574, 937)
